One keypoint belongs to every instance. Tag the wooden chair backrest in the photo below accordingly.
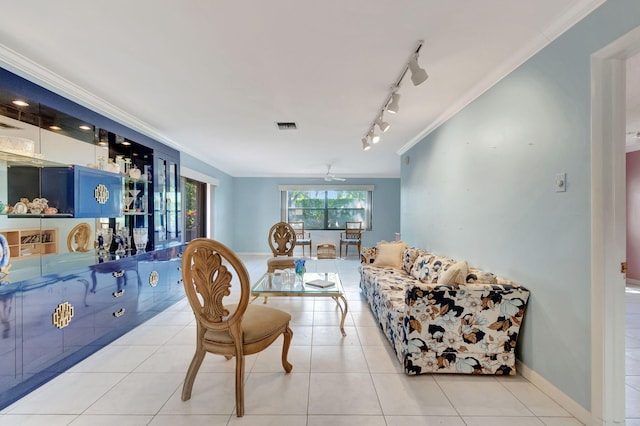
(282, 239)
(352, 230)
(208, 268)
(298, 227)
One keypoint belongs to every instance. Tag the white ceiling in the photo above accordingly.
(211, 78)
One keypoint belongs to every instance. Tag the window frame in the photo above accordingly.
(368, 209)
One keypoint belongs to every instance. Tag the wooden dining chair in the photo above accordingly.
(351, 236)
(282, 240)
(302, 238)
(211, 272)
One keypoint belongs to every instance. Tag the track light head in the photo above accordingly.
(382, 125)
(365, 145)
(393, 106)
(418, 75)
(373, 137)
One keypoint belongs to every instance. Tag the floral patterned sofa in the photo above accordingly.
(440, 315)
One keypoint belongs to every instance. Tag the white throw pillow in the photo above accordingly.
(390, 254)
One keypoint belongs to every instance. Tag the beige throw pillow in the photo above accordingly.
(390, 254)
(455, 274)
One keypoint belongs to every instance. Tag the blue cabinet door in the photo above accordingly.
(98, 193)
(43, 305)
(82, 191)
(10, 374)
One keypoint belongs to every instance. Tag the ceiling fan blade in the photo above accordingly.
(338, 179)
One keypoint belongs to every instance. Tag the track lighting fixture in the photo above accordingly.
(382, 125)
(418, 75)
(373, 137)
(391, 104)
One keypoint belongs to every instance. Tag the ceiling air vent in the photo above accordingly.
(286, 125)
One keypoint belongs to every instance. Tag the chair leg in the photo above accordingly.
(240, 386)
(192, 372)
(288, 335)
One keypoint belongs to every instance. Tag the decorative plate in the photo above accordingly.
(20, 208)
(79, 238)
(4, 247)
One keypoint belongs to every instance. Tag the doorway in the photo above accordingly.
(195, 225)
(608, 228)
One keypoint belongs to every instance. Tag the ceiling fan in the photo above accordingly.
(330, 177)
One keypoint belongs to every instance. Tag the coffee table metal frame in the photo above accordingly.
(271, 285)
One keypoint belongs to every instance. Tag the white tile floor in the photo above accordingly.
(353, 380)
(632, 359)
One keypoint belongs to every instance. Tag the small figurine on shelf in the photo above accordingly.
(134, 172)
(104, 236)
(121, 239)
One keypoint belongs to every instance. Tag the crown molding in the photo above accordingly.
(36, 73)
(572, 16)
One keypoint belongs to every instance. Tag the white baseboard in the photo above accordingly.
(633, 282)
(575, 409)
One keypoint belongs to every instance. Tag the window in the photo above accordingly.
(327, 209)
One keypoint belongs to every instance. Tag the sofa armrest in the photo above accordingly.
(453, 321)
(367, 255)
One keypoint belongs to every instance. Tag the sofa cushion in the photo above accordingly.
(409, 257)
(389, 254)
(421, 269)
(438, 265)
(454, 274)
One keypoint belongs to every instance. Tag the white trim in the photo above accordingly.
(326, 187)
(562, 399)
(631, 281)
(195, 175)
(553, 31)
(608, 229)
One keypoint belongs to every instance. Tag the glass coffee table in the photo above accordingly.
(271, 284)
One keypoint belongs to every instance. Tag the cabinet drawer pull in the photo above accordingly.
(62, 315)
(118, 293)
(118, 274)
(154, 277)
(119, 313)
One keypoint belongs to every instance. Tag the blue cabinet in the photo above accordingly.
(9, 372)
(55, 321)
(83, 191)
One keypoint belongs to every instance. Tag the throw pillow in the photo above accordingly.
(409, 257)
(476, 276)
(455, 274)
(421, 269)
(389, 254)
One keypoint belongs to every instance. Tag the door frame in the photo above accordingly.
(608, 228)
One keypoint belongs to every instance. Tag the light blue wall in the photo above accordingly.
(223, 207)
(481, 188)
(257, 208)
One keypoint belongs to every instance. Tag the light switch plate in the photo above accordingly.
(561, 182)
